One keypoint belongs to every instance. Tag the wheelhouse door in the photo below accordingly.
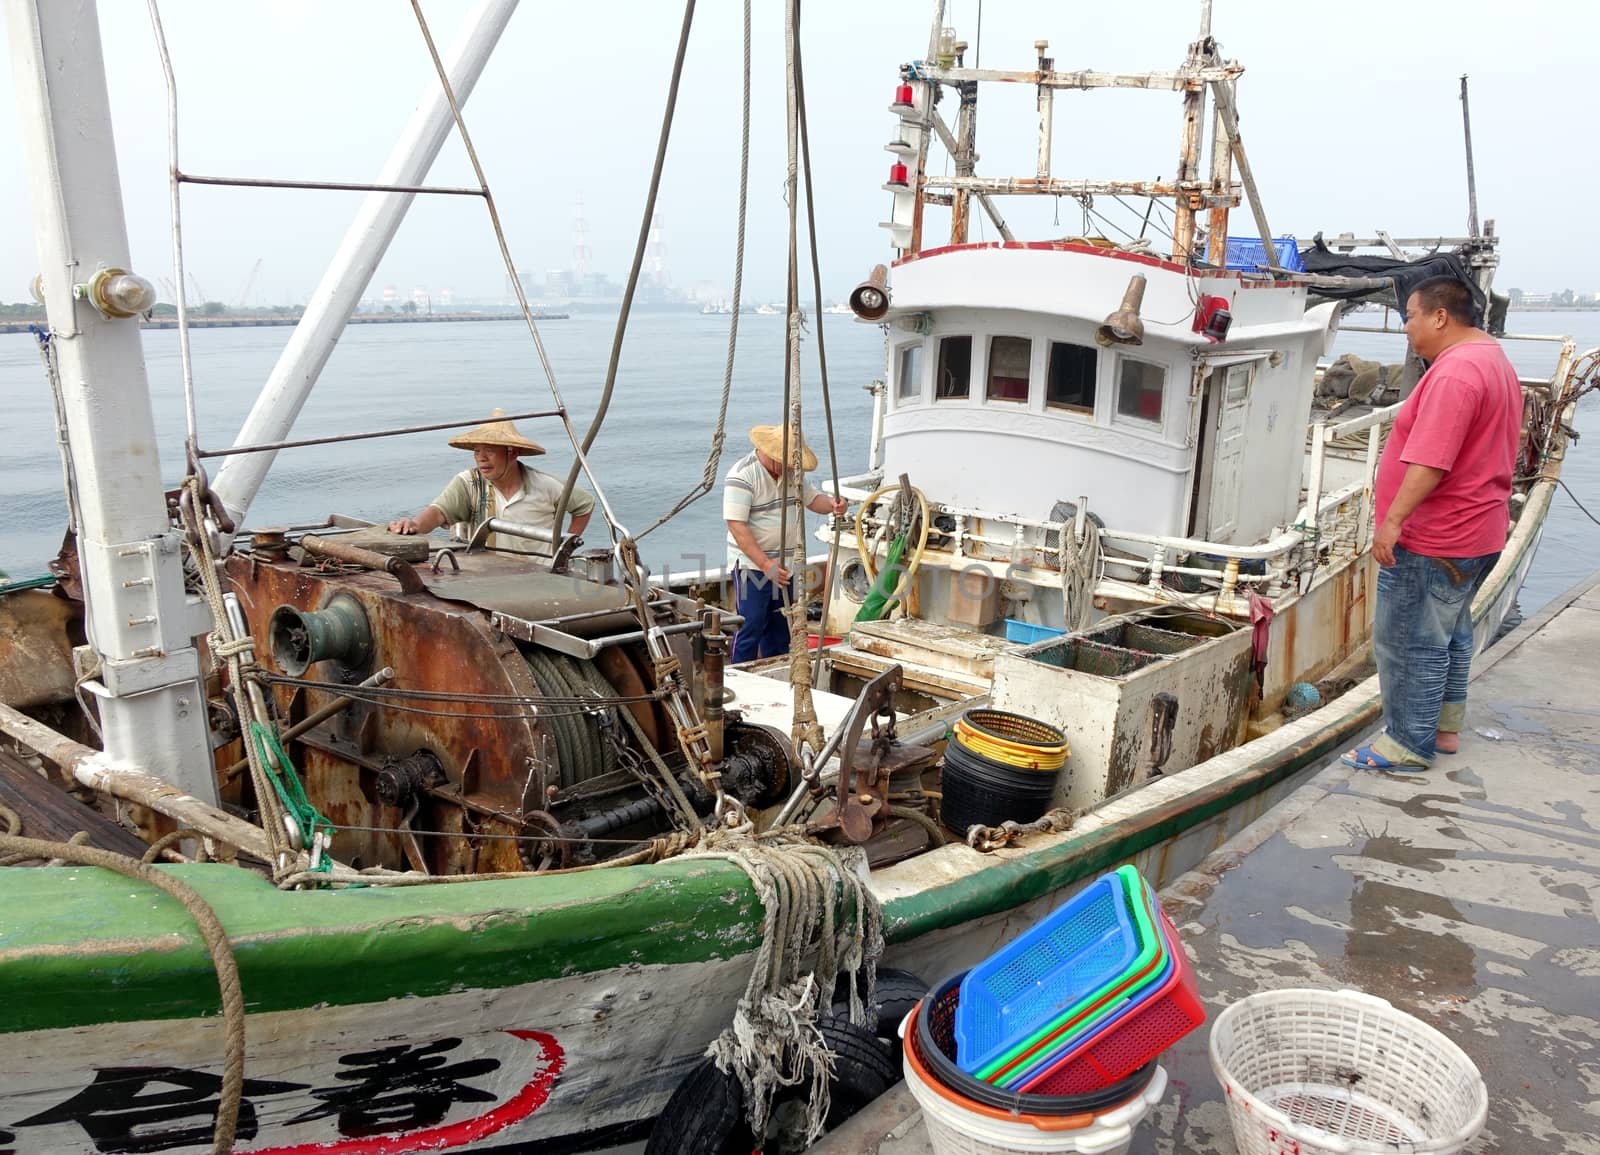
(1230, 405)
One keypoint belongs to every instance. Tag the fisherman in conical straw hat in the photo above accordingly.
(752, 504)
(498, 485)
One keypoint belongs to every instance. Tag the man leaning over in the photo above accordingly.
(752, 505)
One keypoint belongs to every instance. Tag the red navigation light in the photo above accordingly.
(898, 175)
(902, 96)
(1212, 318)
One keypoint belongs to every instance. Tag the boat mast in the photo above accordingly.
(1472, 178)
(364, 244)
(151, 704)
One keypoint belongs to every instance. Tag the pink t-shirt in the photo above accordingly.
(1464, 417)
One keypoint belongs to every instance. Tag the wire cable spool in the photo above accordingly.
(580, 747)
(998, 767)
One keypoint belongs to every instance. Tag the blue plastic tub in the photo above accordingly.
(1072, 953)
(1249, 254)
(1027, 633)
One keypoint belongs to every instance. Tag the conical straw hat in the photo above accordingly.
(496, 433)
(769, 439)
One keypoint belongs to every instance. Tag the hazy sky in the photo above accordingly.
(1350, 116)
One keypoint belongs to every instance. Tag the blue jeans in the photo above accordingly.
(1422, 636)
(759, 602)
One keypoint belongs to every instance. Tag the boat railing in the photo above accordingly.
(1022, 549)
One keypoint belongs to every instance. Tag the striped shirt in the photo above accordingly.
(751, 494)
(469, 499)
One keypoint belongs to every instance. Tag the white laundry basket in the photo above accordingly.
(1313, 1072)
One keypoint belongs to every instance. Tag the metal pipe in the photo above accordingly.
(312, 720)
(1221, 180)
(364, 244)
(949, 140)
(965, 154)
(1155, 81)
(1194, 100)
(326, 185)
(274, 446)
(1230, 118)
(1054, 186)
(1047, 102)
(410, 580)
(518, 529)
(716, 652)
(1472, 179)
(606, 821)
(151, 700)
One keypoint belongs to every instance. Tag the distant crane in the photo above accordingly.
(249, 283)
(199, 293)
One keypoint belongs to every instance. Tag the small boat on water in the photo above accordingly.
(480, 846)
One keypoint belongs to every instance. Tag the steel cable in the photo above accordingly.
(638, 264)
(708, 478)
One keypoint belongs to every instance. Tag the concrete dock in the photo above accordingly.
(1467, 895)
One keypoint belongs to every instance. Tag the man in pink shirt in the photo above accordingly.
(1441, 504)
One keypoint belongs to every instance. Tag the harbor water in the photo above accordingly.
(650, 452)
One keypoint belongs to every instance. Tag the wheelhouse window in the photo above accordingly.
(1139, 388)
(1069, 382)
(955, 368)
(1009, 359)
(908, 374)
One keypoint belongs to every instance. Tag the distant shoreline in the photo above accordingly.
(22, 326)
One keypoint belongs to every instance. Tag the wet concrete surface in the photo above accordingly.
(1467, 895)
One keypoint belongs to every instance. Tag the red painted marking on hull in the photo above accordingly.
(524, 1103)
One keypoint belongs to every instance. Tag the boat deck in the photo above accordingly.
(1468, 895)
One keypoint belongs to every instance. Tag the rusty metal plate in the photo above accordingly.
(36, 630)
(532, 596)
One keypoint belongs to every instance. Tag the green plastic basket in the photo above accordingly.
(1018, 1060)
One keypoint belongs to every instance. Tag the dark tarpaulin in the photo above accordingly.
(1404, 275)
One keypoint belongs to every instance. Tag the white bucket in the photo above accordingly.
(954, 1130)
(1318, 1072)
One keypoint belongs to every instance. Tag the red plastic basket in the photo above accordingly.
(1139, 1036)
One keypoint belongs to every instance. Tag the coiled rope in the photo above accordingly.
(773, 1040)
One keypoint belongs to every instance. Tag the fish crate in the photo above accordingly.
(1250, 255)
(1105, 687)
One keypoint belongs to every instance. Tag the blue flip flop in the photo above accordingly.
(1365, 758)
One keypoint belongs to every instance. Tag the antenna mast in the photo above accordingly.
(1472, 179)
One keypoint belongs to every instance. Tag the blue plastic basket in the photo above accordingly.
(1097, 1025)
(1078, 949)
(1027, 633)
(1249, 254)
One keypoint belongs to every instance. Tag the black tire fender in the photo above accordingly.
(705, 1115)
(893, 996)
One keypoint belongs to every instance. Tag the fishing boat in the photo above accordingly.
(482, 843)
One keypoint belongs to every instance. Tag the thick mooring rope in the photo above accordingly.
(774, 1041)
(14, 849)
